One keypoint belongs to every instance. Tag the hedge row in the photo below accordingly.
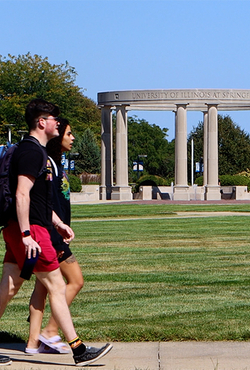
(229, 180)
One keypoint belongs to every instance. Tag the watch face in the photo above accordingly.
(26, 233)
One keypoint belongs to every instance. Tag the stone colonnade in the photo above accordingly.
(209, 101)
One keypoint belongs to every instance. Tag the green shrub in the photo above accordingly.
(234, 180)
(151, 180)
(169, 181)
(75, 183)
(229, 180)
(199, 181)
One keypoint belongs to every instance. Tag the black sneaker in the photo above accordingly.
(5, 360)
(91, 354)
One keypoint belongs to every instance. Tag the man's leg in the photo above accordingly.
(56, 288)
(71, 270)
(9, 285)
(37, 304)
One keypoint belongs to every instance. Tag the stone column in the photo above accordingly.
(181, 187)
(205, 119)
(121, 191)
(212, 188)
(106, 154)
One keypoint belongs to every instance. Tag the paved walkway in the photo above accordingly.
(143, 356)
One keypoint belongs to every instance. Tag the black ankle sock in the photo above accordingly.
(77, 346)
(79, 350)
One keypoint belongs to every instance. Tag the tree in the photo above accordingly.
(150, 140)
(233, 146)
(26, 77)
(89, 159)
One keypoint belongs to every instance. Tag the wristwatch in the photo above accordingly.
(25, 233)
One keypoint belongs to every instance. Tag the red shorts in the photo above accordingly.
(15, 249)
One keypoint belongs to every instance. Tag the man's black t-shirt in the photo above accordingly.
(28, 159)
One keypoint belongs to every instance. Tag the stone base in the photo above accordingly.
(105, 192)
(241, 192)
(88, 193)
(181, 193)
(213, 193)
(196, 192)
(121, 193)
(145, 192)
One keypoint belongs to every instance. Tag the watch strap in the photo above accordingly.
(25, 233)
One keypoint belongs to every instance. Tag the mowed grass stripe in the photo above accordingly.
(176, 279)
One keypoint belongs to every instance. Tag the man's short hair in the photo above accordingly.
(38, 107)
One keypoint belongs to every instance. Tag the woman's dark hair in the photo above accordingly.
(54, 146)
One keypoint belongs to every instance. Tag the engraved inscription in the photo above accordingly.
(167, 99)
(191, 94)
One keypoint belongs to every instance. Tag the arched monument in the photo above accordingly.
(208, 101)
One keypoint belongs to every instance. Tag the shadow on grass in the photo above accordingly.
(10, 338)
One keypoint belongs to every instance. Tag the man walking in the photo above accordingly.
(28, 229)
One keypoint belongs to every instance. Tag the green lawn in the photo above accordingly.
(136, 210)
(150, 276)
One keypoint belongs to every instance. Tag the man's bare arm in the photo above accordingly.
(24, 185)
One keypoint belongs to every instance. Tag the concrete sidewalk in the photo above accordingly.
(143, 356)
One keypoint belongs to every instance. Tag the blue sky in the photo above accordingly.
(137, 44)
